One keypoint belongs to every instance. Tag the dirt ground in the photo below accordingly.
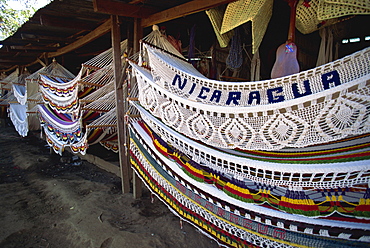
(49, 201)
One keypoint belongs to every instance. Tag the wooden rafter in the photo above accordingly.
(150, 16)
(96, 33)
(39, 38)
(182, 10)
(122, 9)
(73, 23)
(37, 48)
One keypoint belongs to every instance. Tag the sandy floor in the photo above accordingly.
(46, 201)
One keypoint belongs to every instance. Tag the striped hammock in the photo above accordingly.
(233, 222)
(342, 164)
(61, 125)
(321, 105)
(60, 94)
(54, 69)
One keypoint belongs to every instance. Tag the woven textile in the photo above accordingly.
(231, 222)
(313, 168)
(20, 93)
(18, 116)
(327, 115)
(104, 59)
(54, 69)
(65, 129)
(307, 18)
(333, 9)
(181, 78)
(216, 15)
(60, 94)
(242, 11)
(104, 104)
(58, 146)
(106, 121)
(302, 200)
(357, 3)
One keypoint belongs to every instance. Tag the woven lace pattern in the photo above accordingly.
(293, 176)
(329, 9)
(242, 11)
(215, 16)
(307, 18)
(319, 118)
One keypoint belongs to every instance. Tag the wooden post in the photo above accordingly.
(119, 76)
(138, 33)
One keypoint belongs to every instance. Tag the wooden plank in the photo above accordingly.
(43, 38)
(182, 10)
(15, 60)
(35, 48)
(119, 75)
(138, 34)
(72, 23)
(105, 165)
(96, 33)
(122, 9)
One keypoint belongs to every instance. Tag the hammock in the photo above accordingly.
(307, 18)
(215, 15)
(246, 183)
(20, 93)
(321, 105)
(98, 78)
(329, 9)
(63, 99)
(232, 222)
(58, 146)
(103, 130)
(259, 12)
(11, 78)
(58, 86)
(63, 128)
(104, 104)
(181, 78)
(313, 167)
(54, 70)
(107, 121)
(104, 59)
(8, 98)
(18, 116)
(97, 94)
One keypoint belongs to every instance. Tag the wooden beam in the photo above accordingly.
(136, 1)
(34, 48)
(39, 38)
(72, 23)
(137, 35)
(119, 75)
(182, 10)
(98, 32)
(122, 9)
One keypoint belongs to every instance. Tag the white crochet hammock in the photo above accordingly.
(324, 104)
(18, 116)
(311, 176)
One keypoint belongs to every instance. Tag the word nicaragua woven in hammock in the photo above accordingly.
(313, 107)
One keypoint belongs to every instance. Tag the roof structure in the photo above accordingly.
(80, 28)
